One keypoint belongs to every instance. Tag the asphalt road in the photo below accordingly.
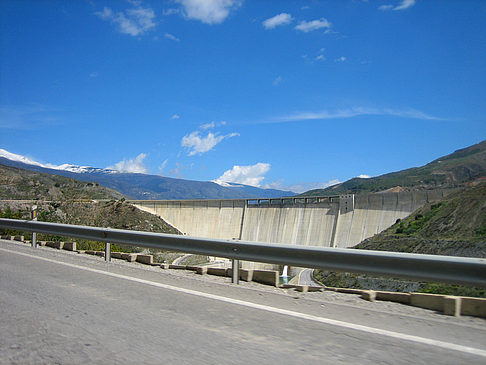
(62, 308)
(305, 278)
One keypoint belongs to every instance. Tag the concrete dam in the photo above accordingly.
(333, 221)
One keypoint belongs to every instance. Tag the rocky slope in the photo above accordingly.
(16, 183)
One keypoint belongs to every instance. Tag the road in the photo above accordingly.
(61, 307)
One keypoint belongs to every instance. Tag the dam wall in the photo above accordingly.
(338, 221)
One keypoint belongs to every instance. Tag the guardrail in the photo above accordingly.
(449, 269)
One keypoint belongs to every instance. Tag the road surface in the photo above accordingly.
(62, 307)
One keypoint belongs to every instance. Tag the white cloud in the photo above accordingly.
(134, 165)
(340, 59)
(277, 81)
(175, 116)
(277, 20)
(354, 112)
(306, 27)
(405, 4)
(362, 176)
(198, 144)
(171, 11)
(135, 21)
(208, 11)
(247, 175)
(171, 37)
(163, 165)
(208, 125)
(320, 58)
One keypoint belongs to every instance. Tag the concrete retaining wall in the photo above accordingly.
(266, 277)
(342, 222)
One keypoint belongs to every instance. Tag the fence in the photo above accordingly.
(449, 269)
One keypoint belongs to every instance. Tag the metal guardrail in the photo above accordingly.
(450, 269)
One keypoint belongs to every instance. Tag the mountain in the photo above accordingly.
(455, 226)
(143, 186)
(65, 200)
(464, 167)
(20, 184)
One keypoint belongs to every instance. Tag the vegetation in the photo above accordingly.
(366, 282)
(194, 260)
(455, 226)
(65, 200)
(113, 214)
(21, 184)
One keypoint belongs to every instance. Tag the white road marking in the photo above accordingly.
(328, 321)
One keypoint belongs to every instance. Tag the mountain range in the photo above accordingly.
(461, 168)
(144, 186)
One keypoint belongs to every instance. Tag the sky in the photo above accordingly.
(294, 95)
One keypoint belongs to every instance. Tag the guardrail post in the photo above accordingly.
(107, 251)
(33, 215)
(235, 277)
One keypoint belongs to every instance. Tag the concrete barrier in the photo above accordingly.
(192, 267)
(428, 301)
(307, 288)
(218, 271)
(393, 297)
(266, 277)
(116, 255)
(369, 295)
(345, 290)
(18, 238)
(202, 270)
(177, 267)
(130, 257)
(58, 244)
(69, 246)
(245, 275)
(95, 253)
(145, 259)
(474, 307)
(447, 304)
(452, 306)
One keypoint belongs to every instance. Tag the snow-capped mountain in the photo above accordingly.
(64, 167)
(143, 186)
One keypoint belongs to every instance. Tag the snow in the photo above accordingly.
(64, 167)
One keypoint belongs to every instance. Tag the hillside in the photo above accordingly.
(462, 168)
(16, 183)
(454, 226)
(64, 200)
(149, 187)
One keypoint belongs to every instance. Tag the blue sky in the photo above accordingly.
(286, 94)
